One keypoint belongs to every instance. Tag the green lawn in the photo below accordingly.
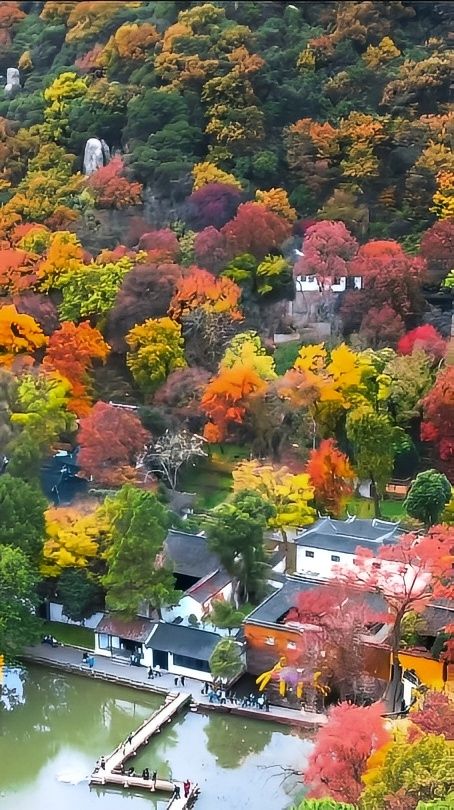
(70, 634)
(364, 508)
(211, 478)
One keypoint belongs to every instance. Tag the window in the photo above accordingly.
(103, 641)
(270, 640)
(311, 279)
(291, 645)
(309, 553)
(190, 663)
(335, 558)
(376, 565)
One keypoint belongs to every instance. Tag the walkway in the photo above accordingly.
(70, 659)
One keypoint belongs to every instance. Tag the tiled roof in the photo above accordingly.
(134, 630)
(182, 640)
(189, 554)
(347, 535)
(210, 586)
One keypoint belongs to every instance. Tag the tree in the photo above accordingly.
(136, 573)
(18, 623)
(255, 230)
(381, 327)
(210, 249)
(168, 454)
(155, 349)
(71, 351)
(438, 415)
(91, 289)
(429, 493)
(247, 348)
(111, 441)
(328, 246)
(437, 248)
(235, 533)
(225, 660)
(22, 517)
(331, 475)
(213, 204)
(374, 439)
(435, 715)
(225, 399)
(423, 338)
(111, 189)
(323, 804)
(145, 293)
(407, 575)
(182, 391)
(410, 378)
(288, 494)
(201, 289)
(224, 615)
(80, 597)
(19, 335)
(342, 749)
(411, 771)
(40, 416)
(73, 539)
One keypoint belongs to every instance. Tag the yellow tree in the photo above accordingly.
(289, 493)
(248, 350)
(72, 539)
(155, 349)
(19, 335)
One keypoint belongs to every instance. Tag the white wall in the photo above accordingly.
(56, 615)
(190, 673)
(321, 563)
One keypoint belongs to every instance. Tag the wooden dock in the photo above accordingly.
(114, 769)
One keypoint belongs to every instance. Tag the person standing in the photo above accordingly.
(129, 738)
(176, 792)
(154, 776)
(150, 673)
(182, 679)
(102, 764)
(186, 788)
(175, 680)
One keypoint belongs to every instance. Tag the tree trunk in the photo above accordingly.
(285, 541)
(393, 692)
(375, 497)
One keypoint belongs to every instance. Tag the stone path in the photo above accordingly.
(105, 668)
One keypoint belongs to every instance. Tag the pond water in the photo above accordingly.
(54, 726)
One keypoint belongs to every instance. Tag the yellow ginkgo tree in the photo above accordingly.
(289, 493)
(247, 350)
(72, 539)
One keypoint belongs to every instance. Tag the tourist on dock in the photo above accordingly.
(205, 688)
(154, 776)
(223, 699)
(267, 704)
(84, 658)
(145, 774)
(182, 680)
(176, 792)
(130, 771)
(186, 788)
(157, 670)
(130, 738)
(261, 702)
(150, 673)
(175, 680)
(102, 763)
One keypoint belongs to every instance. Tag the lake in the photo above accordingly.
(53, 727)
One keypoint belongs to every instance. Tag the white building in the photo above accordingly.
(329, 543)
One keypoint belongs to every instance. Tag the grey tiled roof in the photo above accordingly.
(347, 535)
(189, 554)
(182, 640)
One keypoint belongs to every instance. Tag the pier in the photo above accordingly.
(115, 773)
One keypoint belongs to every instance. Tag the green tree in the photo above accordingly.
(224, 615)
(428, 496)
(22, 509)
(18, 623)
(235, 533)
(373, 437)
(225, 660)
(155, 349)
(79, 596)
(136, 572)
(420, 770)
(438, 804)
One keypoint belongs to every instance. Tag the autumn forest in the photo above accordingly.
(226, 269)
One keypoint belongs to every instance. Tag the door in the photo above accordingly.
(161, 658)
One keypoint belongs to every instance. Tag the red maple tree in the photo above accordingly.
(331, 475)
(426, 338)
(111, 441)
(438, 417)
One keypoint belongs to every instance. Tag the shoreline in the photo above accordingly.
(279, 715)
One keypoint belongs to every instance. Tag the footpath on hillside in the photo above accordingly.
(70, 659)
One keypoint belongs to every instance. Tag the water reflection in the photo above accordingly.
(53, 727)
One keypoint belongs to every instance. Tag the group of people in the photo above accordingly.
(154, 672)
(221, 696)
(186, 790)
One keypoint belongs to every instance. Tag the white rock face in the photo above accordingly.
(96, 155)
(12, 81)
